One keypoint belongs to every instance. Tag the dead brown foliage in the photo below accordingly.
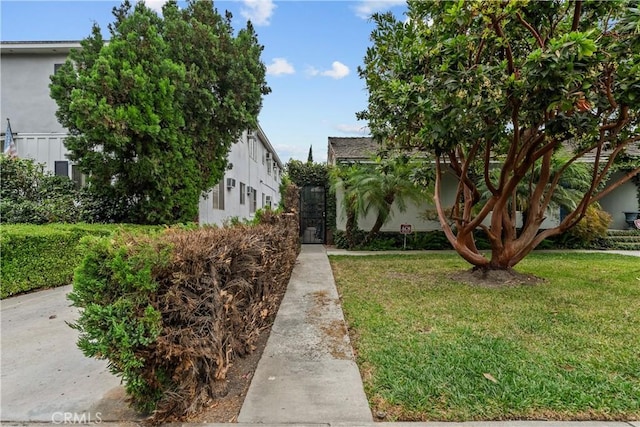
(217, 295)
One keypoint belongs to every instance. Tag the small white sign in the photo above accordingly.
(405, 228)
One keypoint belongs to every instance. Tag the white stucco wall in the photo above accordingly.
(248, 171)
(414, 215)
(25, 80)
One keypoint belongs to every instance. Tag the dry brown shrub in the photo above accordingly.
(219, 293)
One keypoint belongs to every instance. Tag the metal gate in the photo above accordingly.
(312, 214)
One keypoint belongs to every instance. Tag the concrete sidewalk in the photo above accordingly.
(307, 373)
(345, 252)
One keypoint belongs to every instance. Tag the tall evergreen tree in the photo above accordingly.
(153, 113)
(310, 156)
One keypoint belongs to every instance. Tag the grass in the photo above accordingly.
(432, 349)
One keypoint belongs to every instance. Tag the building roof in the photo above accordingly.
(48, 47)
(351, 149)
(361, 148)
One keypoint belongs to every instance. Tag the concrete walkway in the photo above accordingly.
(307, 375)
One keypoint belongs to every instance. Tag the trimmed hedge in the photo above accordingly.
(43, 256)
(170, 311)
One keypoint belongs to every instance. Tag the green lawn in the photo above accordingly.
(432, 349)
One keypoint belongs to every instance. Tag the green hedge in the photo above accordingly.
(43, 256)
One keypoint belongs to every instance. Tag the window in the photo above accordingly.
(56, 67)
(262, 200)
(253, 147)
(218, 196)
(252, 200)
(268, 202)
(269, 163)
(243, 195)
(61, 168)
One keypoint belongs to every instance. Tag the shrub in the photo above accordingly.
(32, 196)
(590, 230)
(419, 240)
(171, 311)
(42, 256)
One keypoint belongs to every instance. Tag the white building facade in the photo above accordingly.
(251, 182)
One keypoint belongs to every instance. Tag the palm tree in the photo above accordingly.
(566, 195)
(384, 183)
(341, 179)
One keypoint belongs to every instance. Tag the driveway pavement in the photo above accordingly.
(44, 377)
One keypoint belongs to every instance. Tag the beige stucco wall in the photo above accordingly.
(621, 200)
(414, 213)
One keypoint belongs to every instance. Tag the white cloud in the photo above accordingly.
(259, 12)
(312, 71)
(280, 66)
(338, 71)
(366, 8)
(354, 129)
(155, 5)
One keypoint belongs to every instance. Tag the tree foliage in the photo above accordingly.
(309, 173)
(483, 85)
(153, 113)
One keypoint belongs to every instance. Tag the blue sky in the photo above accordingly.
(312, 50)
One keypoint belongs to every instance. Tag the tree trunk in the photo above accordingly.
(352, 221)
(381, 219)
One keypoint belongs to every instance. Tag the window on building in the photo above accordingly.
(61, 168)
(243, 193)
(268, 202)
(253, 147)
(218, 196)
(253, 200)
(269, 164)
(56, 67)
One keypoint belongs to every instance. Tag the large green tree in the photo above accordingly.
(153, 113)
(225, 76)
(508, 85)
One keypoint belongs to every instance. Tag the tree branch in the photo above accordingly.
(532, 30)
(498, 29)
(577, 11)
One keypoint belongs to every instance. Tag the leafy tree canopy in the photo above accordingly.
(309, 173)
(484, 85)
(153, 113)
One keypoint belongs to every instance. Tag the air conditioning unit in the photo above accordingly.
(249, 190)
(231, 183)
(268, 156)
